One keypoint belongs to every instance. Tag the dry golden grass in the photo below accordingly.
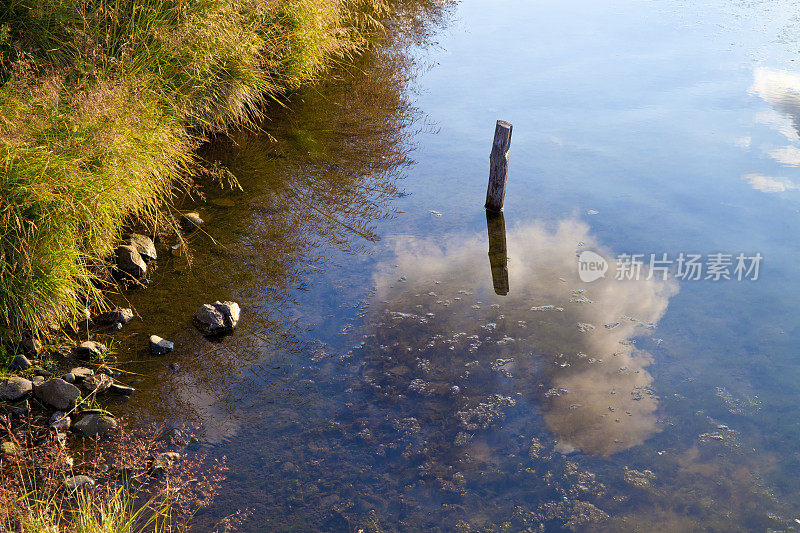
(102, 105)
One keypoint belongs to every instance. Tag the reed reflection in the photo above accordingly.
(315, 180)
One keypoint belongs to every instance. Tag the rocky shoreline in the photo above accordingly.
(67, 395)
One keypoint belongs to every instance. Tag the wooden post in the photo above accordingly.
(498, 257)
(498, 166)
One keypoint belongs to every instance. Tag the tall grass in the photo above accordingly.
(102, 105)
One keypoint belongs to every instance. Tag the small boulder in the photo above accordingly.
(76, 482)
(81, 373)
(191, 221)
(9, 449)
(90, 350)
(14, 388)
(130, 262)
(37, 380)
(144, 245)
(20, 362)
(217, 318)
(162, 462)
(119, 315)
(230, 310)
(98, 384)
(159, 346)
(94, 423)
(60, 421)
(57, 393)
(69, 377)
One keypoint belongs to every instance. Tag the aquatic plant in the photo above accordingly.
(128, 484)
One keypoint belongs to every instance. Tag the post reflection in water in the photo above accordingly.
(498, 256)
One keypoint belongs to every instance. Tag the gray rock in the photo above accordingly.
(9, 449)
(144, 245)
(69, 377)
(121, 315)
(209, 321)
(93, 424)
(20, 362)
(130, 261)
(81, 373)
(60, 421)
(191, 221)
(57, 393)
(116, 388)
(162, 462)
(99, 384)
(14, 388)
(76, 482)
(217, 319)
(90, 350)
(230, 310)
(37, 380)
(159, 346)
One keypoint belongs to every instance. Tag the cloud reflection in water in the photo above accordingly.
(570, 342)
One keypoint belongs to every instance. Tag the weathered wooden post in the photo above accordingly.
(498, 166)
(498, 257)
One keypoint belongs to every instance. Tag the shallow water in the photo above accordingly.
(378, 381)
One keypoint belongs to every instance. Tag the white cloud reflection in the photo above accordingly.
(781, 89)
(769, 184)
(592, 385)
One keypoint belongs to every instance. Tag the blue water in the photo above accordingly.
(378, 382)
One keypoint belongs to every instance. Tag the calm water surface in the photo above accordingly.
(377, 381)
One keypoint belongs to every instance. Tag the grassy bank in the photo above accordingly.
(102, 105)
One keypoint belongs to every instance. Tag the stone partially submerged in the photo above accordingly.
(90, 350)
(94, 424)
(60, 421)
(76, 482)
(159, 346)
(130, 262)
(217, 318)
(97, 384)
(144, 245)
(121, 315)
(191, 221)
